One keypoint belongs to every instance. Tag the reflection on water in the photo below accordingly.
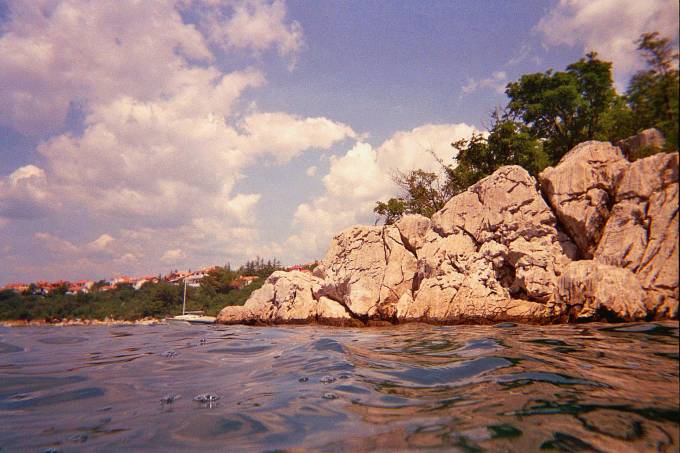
(508, 387)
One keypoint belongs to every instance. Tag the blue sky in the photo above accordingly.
(139, 138)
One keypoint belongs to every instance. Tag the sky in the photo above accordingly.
(142, 137)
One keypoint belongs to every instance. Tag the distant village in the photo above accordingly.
(192, 278)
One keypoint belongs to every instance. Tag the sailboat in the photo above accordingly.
(190, 317)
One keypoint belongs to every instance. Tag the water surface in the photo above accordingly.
(508, 387)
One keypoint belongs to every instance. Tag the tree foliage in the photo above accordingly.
(564, 108)
(653, 93)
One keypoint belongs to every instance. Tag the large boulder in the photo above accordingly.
(595, 291)
(649, 140)
(286, 297)
(641, 234)
(581, 189)
(367, 269)
(413, 229)
(491, 247)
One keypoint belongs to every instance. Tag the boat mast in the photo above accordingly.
(184, 300)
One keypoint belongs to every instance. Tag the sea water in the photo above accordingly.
(589, 387)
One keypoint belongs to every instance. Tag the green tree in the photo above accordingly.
(563, 108)
(392, 210)
(653, 93)
(219, 281)
(423, 193)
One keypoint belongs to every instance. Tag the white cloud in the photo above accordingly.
(252, 24)
(165, 136)
(57, 53)
(362, 176)
(311, 171)
(610, 27)
(101, 243)
(284, 136)
(24, 193)
(173, 256)
(56, 244)
(497, 83)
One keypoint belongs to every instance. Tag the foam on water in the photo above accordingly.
(508, 387)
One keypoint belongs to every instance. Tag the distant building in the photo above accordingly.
(16, 287)
(303, 267)
(137, 283)
(244, 280)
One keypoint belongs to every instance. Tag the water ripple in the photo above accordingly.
(507, 387)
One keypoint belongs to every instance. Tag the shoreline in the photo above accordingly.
(370, 324)
(81, 322)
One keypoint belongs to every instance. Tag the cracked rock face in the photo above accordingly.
(285, 297)
(641, 234)
(581, 190)
(367, 269)
(493, 253)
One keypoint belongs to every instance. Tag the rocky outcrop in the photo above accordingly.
(494, 253)
(286, 297)
(641, 234)
(581, 190)
(367, 270)
(598, 241)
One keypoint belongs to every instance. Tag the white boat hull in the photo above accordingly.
(191, 319)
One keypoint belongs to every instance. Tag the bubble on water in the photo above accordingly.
(170, 354)
(203, 341)
(206, 398)
(303, 379)
(169, 399)
(81, 438)
(330, 396)
(328, 379)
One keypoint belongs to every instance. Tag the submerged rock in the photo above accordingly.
(503, 251)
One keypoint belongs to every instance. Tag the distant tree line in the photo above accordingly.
(217, 290)
(547, 114)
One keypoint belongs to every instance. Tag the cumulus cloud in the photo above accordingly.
(164, 138)
(363, 175)
(24, 193)
(101, 243)
(173, 256)
(252, 24)
(497, 83)
(285, 136)
(609, 27)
